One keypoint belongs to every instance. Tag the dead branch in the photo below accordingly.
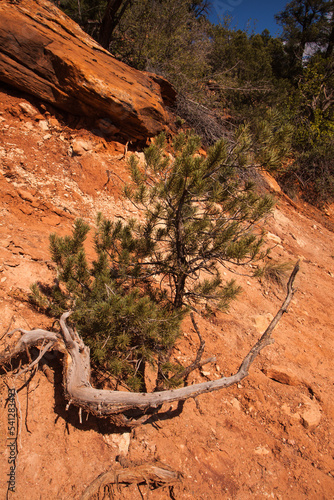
(266, 337)
(197, 363)
(35, 362)
(160, 475)
(7, 330)
(79, 392)
(29, 338)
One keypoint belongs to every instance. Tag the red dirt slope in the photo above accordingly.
(270, 437)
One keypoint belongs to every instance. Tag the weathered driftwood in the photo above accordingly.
(157, 474)
(78, 389)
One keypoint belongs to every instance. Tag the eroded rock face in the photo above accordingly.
(45, 53)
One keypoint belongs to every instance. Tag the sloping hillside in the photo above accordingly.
(269, 437)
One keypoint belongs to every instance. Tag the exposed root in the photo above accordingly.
(157, 475)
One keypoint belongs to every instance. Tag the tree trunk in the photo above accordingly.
(112, 16)
(179, 291)
(330, 46)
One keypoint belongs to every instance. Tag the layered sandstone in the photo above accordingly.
(46, 54)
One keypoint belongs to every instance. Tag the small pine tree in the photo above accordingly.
(196, 219)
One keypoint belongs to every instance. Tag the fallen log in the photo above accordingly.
(101, 402)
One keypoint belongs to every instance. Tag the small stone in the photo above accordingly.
(28, 109)
(236, 404)
(274, 238)
(80, 147)
(311, 417)
(282, 375)
(120, 441)
(141, 158)
(261, 450)
(286, 409)
(295, 418)
(28, 126)
(25, 195)
(44, 125)
(53, 122)
(28, 210)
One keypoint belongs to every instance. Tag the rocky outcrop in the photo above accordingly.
(46, 54)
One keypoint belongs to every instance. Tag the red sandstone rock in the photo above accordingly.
(282, 375)
(45, 53)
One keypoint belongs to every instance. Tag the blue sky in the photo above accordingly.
(256, 14)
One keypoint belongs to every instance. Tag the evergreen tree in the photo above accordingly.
(166, 37)
(197, 218)
(311, 104)
(305, 23)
